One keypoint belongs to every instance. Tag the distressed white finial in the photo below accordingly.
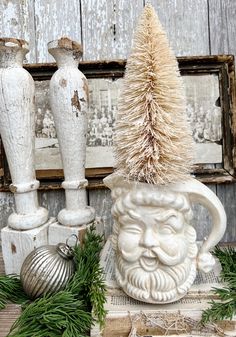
(17, 122)
(69, 103)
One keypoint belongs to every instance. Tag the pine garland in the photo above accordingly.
(60, 314)
(152, 137)
(226, 307)
(66, 313)
(11, 290)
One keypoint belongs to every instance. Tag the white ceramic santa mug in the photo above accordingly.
(154, 242)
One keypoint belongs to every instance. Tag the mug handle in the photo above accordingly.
(199, 193)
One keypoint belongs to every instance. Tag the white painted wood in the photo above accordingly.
(227, 195)
(69, 103)
(16, 245)
(7, 206)
(184, 20)
(202, 221)
(107, 27)
(54, 200)
(54, 19)
(186, 25)
(58, 233)
(17, 132)
(17, 20)
(100, 200)
(222, 15)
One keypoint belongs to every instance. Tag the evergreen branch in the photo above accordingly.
(225, 309)
(97, 295)
(227, 258)
(88, 281)
(59, 314)
(219, 311)
(11, 290)
(66, 313)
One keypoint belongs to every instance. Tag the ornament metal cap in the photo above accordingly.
(65, 251)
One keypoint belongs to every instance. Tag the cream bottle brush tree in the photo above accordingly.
(156, 254)
(152, 137)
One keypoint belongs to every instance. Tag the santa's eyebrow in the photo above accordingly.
(127, 221)
(163, 216)
(176, 224)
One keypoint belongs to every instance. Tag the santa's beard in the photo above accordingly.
(156, 283)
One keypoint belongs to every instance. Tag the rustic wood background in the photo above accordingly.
(194, 27)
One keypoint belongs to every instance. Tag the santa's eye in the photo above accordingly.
(132, 230)
(166, 229)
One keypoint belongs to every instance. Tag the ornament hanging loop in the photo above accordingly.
(76, 240)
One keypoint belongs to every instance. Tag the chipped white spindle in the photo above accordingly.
(17, 132)
(69, 103)
(27, 227)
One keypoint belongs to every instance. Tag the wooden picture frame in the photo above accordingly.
(219, 70)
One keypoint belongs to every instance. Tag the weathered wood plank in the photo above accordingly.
(222, 26)
(227, 195)
(107, 32)
(6, 207)
(54, 201)
(186, 24)
(222, 22)
(54, 19)
(202, 219)
(2, 268)
(101, 201)
(108, 27)
(17, 20)
(8, 317)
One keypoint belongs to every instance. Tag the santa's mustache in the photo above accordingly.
(165, 258)
(155, 252)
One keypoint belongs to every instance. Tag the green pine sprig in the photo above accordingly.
(11, 290)
(66, 313)
(225, 307)
(60, 314)
(88, 282)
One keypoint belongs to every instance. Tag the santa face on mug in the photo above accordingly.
(155, 247)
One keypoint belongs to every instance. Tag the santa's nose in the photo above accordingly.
(149, 239)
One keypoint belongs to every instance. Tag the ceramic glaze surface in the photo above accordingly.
(69, 103)
(155, 244)
(17, 132)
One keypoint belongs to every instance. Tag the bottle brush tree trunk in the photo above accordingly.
(152, 137)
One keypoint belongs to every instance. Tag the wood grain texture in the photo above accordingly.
(7, 205)
(54, 19)
(2, 269)
(108, 27)
(8, 317)
(101, 201)
(202, 219)
(227, 195)
(17, 20)
(186, 25)
(54, 201)
(222, 25)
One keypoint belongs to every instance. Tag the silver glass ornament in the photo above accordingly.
(47, 270)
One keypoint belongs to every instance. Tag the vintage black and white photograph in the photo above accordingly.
(203, 113)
